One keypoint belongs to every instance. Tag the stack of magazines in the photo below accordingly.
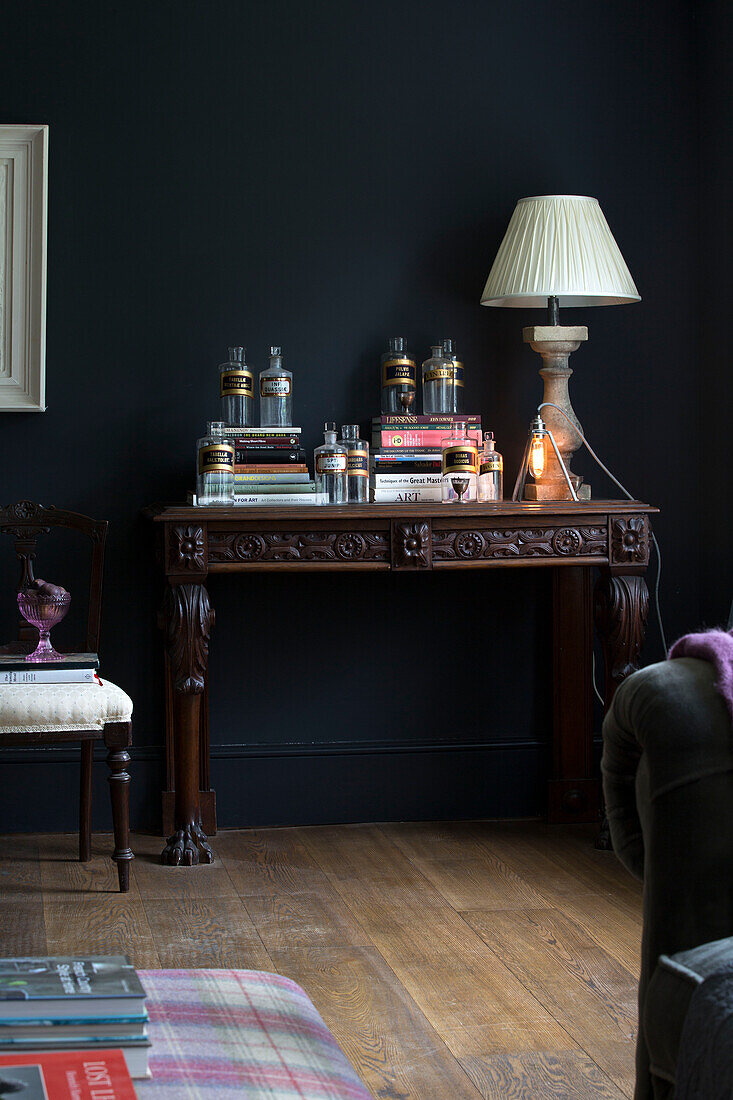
(64, 1004)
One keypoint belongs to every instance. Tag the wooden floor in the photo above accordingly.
(452, 961)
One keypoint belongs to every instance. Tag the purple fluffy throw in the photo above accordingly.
(715, 646)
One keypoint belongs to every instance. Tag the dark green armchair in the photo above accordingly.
(668, 783)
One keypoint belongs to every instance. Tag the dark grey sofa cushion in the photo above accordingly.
(668, 997)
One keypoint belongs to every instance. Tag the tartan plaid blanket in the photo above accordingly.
(224, 1033)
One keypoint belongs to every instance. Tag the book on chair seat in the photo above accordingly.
(73, 668)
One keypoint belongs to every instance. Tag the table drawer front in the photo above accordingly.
(507, 542)
(335, 547)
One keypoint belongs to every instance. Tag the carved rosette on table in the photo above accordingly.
(621, 609)
(187, 549)
(541, 542)
(325, 546)
(188, 618)
(630, 540)
(411, 545)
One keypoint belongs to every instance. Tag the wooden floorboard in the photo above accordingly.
(63, 877)
(382, 1031)
(110, 924)
(529, 1076)
(210, 933)
(452, 960)
(569, 973)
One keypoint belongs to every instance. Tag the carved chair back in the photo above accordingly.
(25, 522)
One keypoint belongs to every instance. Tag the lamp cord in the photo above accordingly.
(629, 496)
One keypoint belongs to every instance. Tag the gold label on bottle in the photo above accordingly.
(275, 387)
(216, 458)
(490, 465)
(461, 459)
(358, 464)
(452, 375)
(400, 371)
(237, 383)
(331, 464)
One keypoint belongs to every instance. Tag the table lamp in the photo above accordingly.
(558, 251)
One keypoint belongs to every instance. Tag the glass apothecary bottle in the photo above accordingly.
(276, 393)
(460, 465)
(357, 464)
(490, 471)
(330, 463)
(237, 389)
(215, 466)
(437, 382)
(455, 393)
(399, 378)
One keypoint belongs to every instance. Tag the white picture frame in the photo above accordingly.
(23, 231)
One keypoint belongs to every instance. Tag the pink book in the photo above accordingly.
(425, 437)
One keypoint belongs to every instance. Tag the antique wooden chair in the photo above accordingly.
(35, 714)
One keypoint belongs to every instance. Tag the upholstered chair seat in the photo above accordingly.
(59, 708)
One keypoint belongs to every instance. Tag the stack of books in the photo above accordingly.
(270, 467)
(72, 668)
(62, 1003)
(406, 454)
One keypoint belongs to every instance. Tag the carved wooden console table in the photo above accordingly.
(570, 538)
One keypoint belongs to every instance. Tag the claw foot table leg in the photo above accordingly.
(186, 847)
(188, 618)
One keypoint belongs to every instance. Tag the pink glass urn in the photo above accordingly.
(43, 605)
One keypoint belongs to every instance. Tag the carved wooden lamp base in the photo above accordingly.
(555, 343)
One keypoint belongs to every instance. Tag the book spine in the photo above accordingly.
(267, 456)
(402, 454)
(395, 422)
(427, 494)
(421, 437)
(258, 433)
(49, 676)
(277, 469)
(277, 499)
(406, 481)
(268, 444)
(254, 488)
(296, 478)
(412, 467)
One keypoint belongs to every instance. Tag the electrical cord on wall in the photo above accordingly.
(629, 496)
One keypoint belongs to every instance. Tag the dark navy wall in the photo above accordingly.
(715, 65)
(324, 176)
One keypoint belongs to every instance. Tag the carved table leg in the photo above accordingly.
(188, 619)
(117, 738)
(621, 609)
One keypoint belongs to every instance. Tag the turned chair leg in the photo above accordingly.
(117, 738)
(85, 802)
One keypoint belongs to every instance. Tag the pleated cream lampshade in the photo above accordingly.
(558, 246)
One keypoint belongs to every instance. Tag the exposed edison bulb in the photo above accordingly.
(537, 455)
